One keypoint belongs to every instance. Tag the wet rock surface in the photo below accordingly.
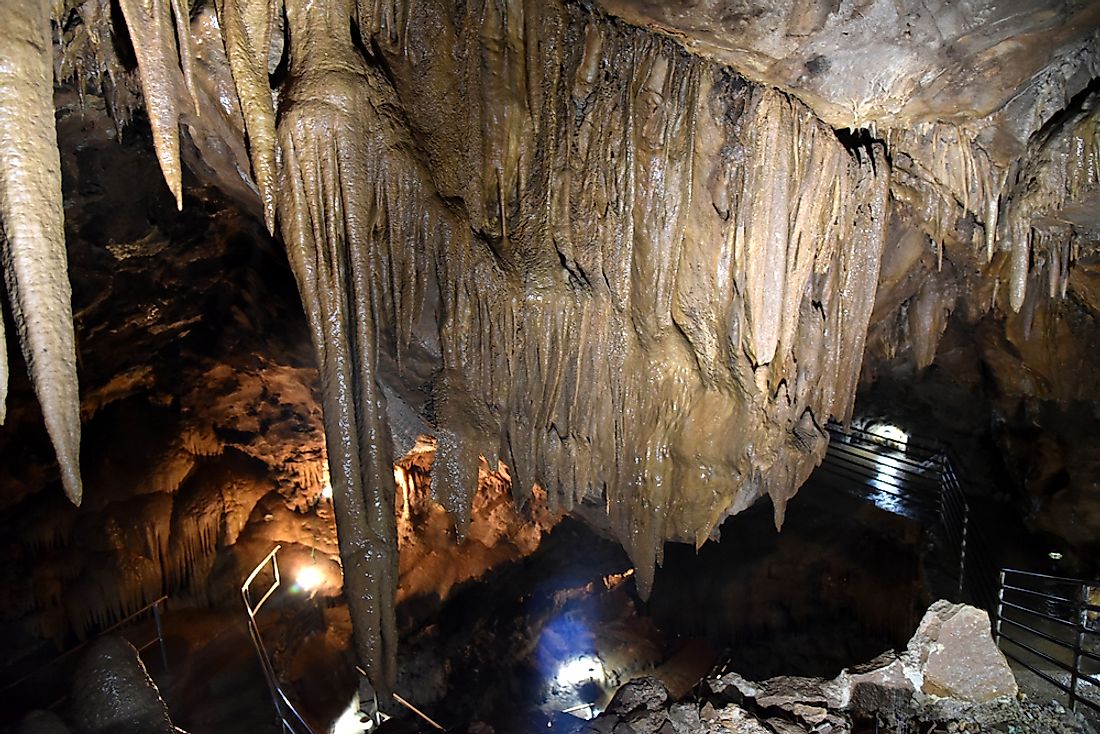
(112, 693)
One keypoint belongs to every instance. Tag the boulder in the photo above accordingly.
(885, 689)
(113, 694)
(956, 655)
(641, 693)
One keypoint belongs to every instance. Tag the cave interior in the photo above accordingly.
(530, 332)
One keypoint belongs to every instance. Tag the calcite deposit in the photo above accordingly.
(635, 256)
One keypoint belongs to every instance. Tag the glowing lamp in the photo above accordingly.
(310, 578)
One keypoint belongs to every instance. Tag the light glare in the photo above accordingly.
(310, 578)
(891, 433)
(352, 721)
(580, 670)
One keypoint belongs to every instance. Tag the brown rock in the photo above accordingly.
(957, 655)
(885, 689)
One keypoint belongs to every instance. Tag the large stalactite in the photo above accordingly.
(33, 238)
(647, 281)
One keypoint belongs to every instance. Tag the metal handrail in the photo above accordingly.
(286, 715)
(1078, 624)
(924, 475)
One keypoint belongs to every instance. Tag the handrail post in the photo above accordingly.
(962, 547)
(1000, 610)
(1078, 643)
(160, 633)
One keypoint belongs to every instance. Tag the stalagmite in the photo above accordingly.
(163, 82)
(34, 256)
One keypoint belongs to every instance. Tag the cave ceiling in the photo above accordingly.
(638, 251)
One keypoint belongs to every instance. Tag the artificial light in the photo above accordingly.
(891, 433)
(580, 670)
(310, 578)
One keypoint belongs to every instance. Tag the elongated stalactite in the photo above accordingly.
(325, 123)
(34, 257)
(163, 51)
(247, 30)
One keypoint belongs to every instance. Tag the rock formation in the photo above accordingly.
(894, 693)
(635, 256)
(113, 694)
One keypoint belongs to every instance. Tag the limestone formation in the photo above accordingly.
(33, 241)
(638, 255)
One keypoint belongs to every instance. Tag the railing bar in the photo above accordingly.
(916, 475)
(1044, 635)
(72, 651)
(863, 480)
(260, 566)
(877, 485)
(871, 449)
(1061, 579)
(1039, 653)
(917, 485)
(1081, 676)
(418, 712)
(290, 706)
(1049, 679)
(1041, 594)
(160, 636)
(882, 464)
(1040, 614)
(953, 511)
(932, 445)
(916, 458)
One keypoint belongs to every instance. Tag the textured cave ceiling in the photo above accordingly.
(639, 251)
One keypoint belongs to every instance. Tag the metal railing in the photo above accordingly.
(1036, 611)
(910, 480)
(287, 716)
(919, 478)
(45, 687)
